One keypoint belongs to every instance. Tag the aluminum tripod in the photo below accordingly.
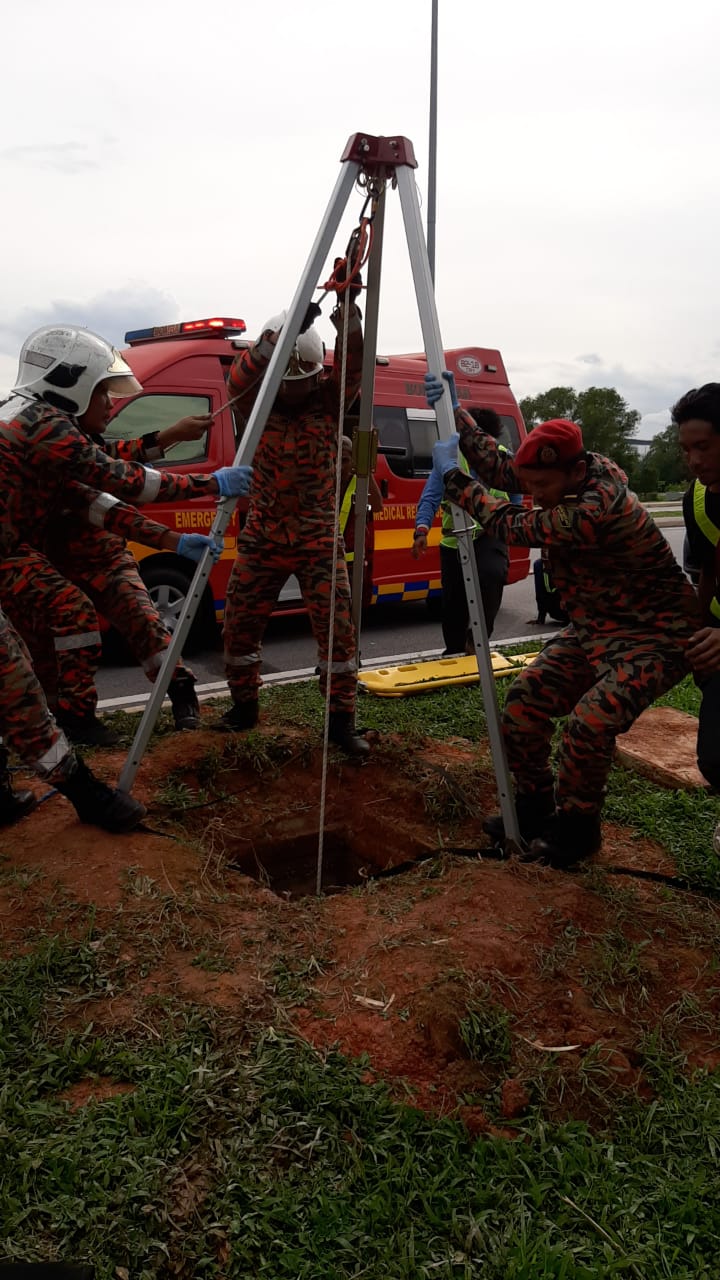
(377, 160)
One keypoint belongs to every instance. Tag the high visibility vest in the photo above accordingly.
(344, 516)
(708, 529)
(448, 537)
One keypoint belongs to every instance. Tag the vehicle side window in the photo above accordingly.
(406, 439)
(152, 413)
(510, 434)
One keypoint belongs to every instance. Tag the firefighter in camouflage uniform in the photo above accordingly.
(291, 525)
(67, 380)
(631, 610)
(26, 724)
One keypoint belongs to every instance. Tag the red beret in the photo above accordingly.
(551, 444)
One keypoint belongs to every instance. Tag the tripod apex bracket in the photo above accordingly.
(379, 156)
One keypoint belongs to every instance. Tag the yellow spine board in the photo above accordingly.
(418, 677)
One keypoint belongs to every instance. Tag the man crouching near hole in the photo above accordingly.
(631, 614)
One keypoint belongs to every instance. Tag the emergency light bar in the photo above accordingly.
(185, 329)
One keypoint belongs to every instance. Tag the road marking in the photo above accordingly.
(218, 688)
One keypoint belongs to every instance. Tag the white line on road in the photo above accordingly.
(218, 688)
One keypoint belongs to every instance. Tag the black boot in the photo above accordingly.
(87, 730)
(183, 698)
(343, 733)
(93, 801)
(534, 811)
(568, 839)
(241, 717)
(13, 804)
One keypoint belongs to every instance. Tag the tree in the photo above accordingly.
(666, 459)
(607, 422)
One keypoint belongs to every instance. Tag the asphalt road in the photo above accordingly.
(390, 632)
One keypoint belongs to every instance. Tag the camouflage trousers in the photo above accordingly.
(59, 625)
(26, 724)
(101, 566)
(601, 694)
(258, 575)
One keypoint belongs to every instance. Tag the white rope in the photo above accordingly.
(333, 588)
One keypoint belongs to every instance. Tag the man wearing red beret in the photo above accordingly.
(631, 613)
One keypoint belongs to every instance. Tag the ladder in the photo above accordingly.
(376, 162)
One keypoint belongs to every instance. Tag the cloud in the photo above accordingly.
(110, 314)
(63, 157)
(651, 392)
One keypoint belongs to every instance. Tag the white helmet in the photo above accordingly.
(63, 365)
(308, 349)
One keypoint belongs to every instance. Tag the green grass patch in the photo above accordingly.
(682, 821)
(271, 1159)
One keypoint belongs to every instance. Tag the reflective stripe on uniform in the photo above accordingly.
(82, 641)
(244, 660)
(708, 529)
(151, 487)
(100, 507)
(336, 668)
(55, 756)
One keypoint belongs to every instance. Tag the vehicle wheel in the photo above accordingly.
(167, 588)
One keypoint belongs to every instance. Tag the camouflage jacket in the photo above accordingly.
(86, 509)
(43, 449)
(616, 576)
(292, 496)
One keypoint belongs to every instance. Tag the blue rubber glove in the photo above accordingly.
(445, 454)
(194, 545)
(233, 482)
(434, 388)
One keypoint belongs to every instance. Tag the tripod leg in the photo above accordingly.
(271, 383)
(367, 388)
(446, 425)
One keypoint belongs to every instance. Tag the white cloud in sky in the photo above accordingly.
(177, 163)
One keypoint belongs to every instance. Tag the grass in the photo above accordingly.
(228, 1158)
(485, 1030)
(241, 1152)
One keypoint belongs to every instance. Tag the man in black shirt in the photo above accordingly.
(697, 415)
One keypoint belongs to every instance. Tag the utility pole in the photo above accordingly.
(432, 149)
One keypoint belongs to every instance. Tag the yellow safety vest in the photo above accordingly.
(345, 506)
(708, 529)
(448, 537)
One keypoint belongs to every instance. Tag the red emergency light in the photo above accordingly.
(192, 326)
(186, 328)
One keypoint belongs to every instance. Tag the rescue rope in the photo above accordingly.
(358, 252)
(333, 589)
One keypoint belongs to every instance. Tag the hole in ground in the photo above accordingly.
(288, 865)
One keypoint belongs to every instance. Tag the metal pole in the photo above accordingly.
(349, 173)
(432, 148)
(446, 426)
(365, 422)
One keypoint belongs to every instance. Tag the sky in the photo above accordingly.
(170, 160)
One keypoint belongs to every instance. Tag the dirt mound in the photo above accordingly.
(469, 983)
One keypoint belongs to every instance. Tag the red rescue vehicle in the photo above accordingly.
(183, 368)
